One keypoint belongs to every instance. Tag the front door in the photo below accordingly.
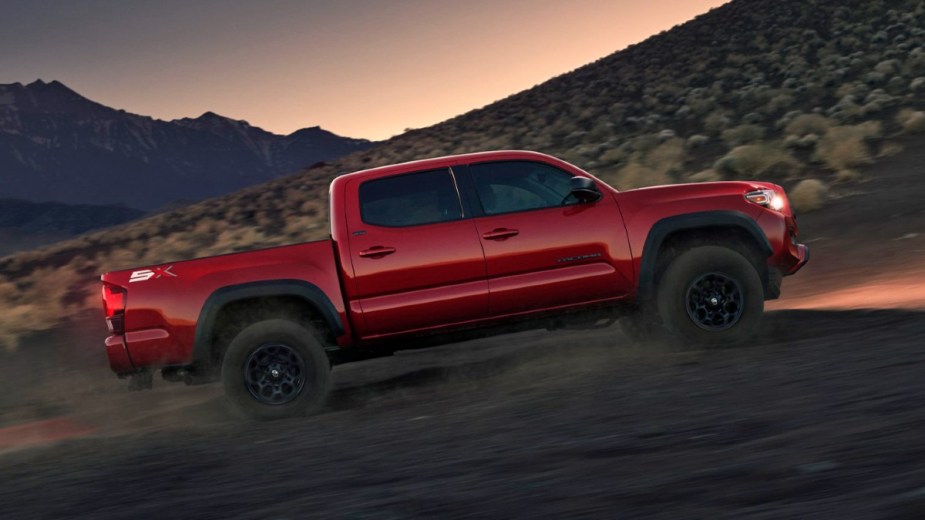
(417, 262)
(544, 249)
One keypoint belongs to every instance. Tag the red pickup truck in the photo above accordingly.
(432, 251)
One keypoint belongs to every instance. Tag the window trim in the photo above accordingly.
(447, 170)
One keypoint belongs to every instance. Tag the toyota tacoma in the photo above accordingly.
(433, 251)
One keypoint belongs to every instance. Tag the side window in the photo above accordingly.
(410, 200)
(505, 187)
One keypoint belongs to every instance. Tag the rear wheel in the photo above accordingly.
(711, 295)
(275, 369)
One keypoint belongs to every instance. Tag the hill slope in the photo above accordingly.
(57, 145)
(25, 224)
(777, 89)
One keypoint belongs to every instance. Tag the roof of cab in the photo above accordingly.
(449, 160)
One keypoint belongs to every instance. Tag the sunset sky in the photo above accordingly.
(361, 68)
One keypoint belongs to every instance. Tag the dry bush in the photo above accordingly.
(709, 175)
(612, 156)
(845, 147)
(780, 102)
(638, 175)
(650, 165)
(755, 160)
(808, 195)
(667, 157)
(34, 302)
(696, 141)
(743, 134)
(806, 124)
(716, 122)
(911, 121)
(889, 149)
(847, 175)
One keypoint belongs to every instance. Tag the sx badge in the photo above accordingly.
(147, 274)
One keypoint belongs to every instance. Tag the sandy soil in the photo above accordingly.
(820, 417)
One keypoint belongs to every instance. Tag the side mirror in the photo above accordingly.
(585, 190)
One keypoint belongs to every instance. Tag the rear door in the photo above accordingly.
(542, 248)
(417, 260)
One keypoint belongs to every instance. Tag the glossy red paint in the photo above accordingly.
(161, 317)
(389, 282)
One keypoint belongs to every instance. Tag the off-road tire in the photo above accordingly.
(711, 295)
(292, 353)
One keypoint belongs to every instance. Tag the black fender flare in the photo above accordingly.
(202, 343)
(689, 222)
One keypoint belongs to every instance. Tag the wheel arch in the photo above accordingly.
(300, 299)
(676, 233)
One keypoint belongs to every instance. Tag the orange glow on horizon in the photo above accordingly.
(357, 68)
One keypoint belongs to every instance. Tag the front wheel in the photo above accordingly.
(275, 369)
(711, 295)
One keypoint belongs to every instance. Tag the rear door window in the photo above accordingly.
(411, 199)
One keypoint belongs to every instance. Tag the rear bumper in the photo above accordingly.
(119, 360)
(145, 349)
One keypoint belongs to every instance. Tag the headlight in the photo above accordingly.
(767, 198)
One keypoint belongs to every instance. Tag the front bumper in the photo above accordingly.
(802, 256)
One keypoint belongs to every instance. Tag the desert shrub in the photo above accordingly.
(808, 124)
(845, 147)
(709, 175)
(889, 149)
(917, 85)
(648, 165)
(755, 160)
(808, 141)
(612, 156)
(716, 122)
(697, 140)
(638, 175)
(780, 102)
(742, 134)
(911, 121)
(887, 67)
(808, 195)
(846, 110)
(847, 175)
(667, 157)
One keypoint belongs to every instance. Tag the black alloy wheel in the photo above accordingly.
(274, 373)
(715, 301)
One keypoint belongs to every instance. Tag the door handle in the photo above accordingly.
(499, 234)
(377, 252)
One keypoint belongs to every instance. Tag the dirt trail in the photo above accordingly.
(822, 416)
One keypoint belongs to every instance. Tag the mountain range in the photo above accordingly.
(56, 145)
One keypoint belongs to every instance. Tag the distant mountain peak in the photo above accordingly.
(50, 86)
(58, 145)
(210, 115)
(50, 97)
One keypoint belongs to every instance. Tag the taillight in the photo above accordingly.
(114, 306)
